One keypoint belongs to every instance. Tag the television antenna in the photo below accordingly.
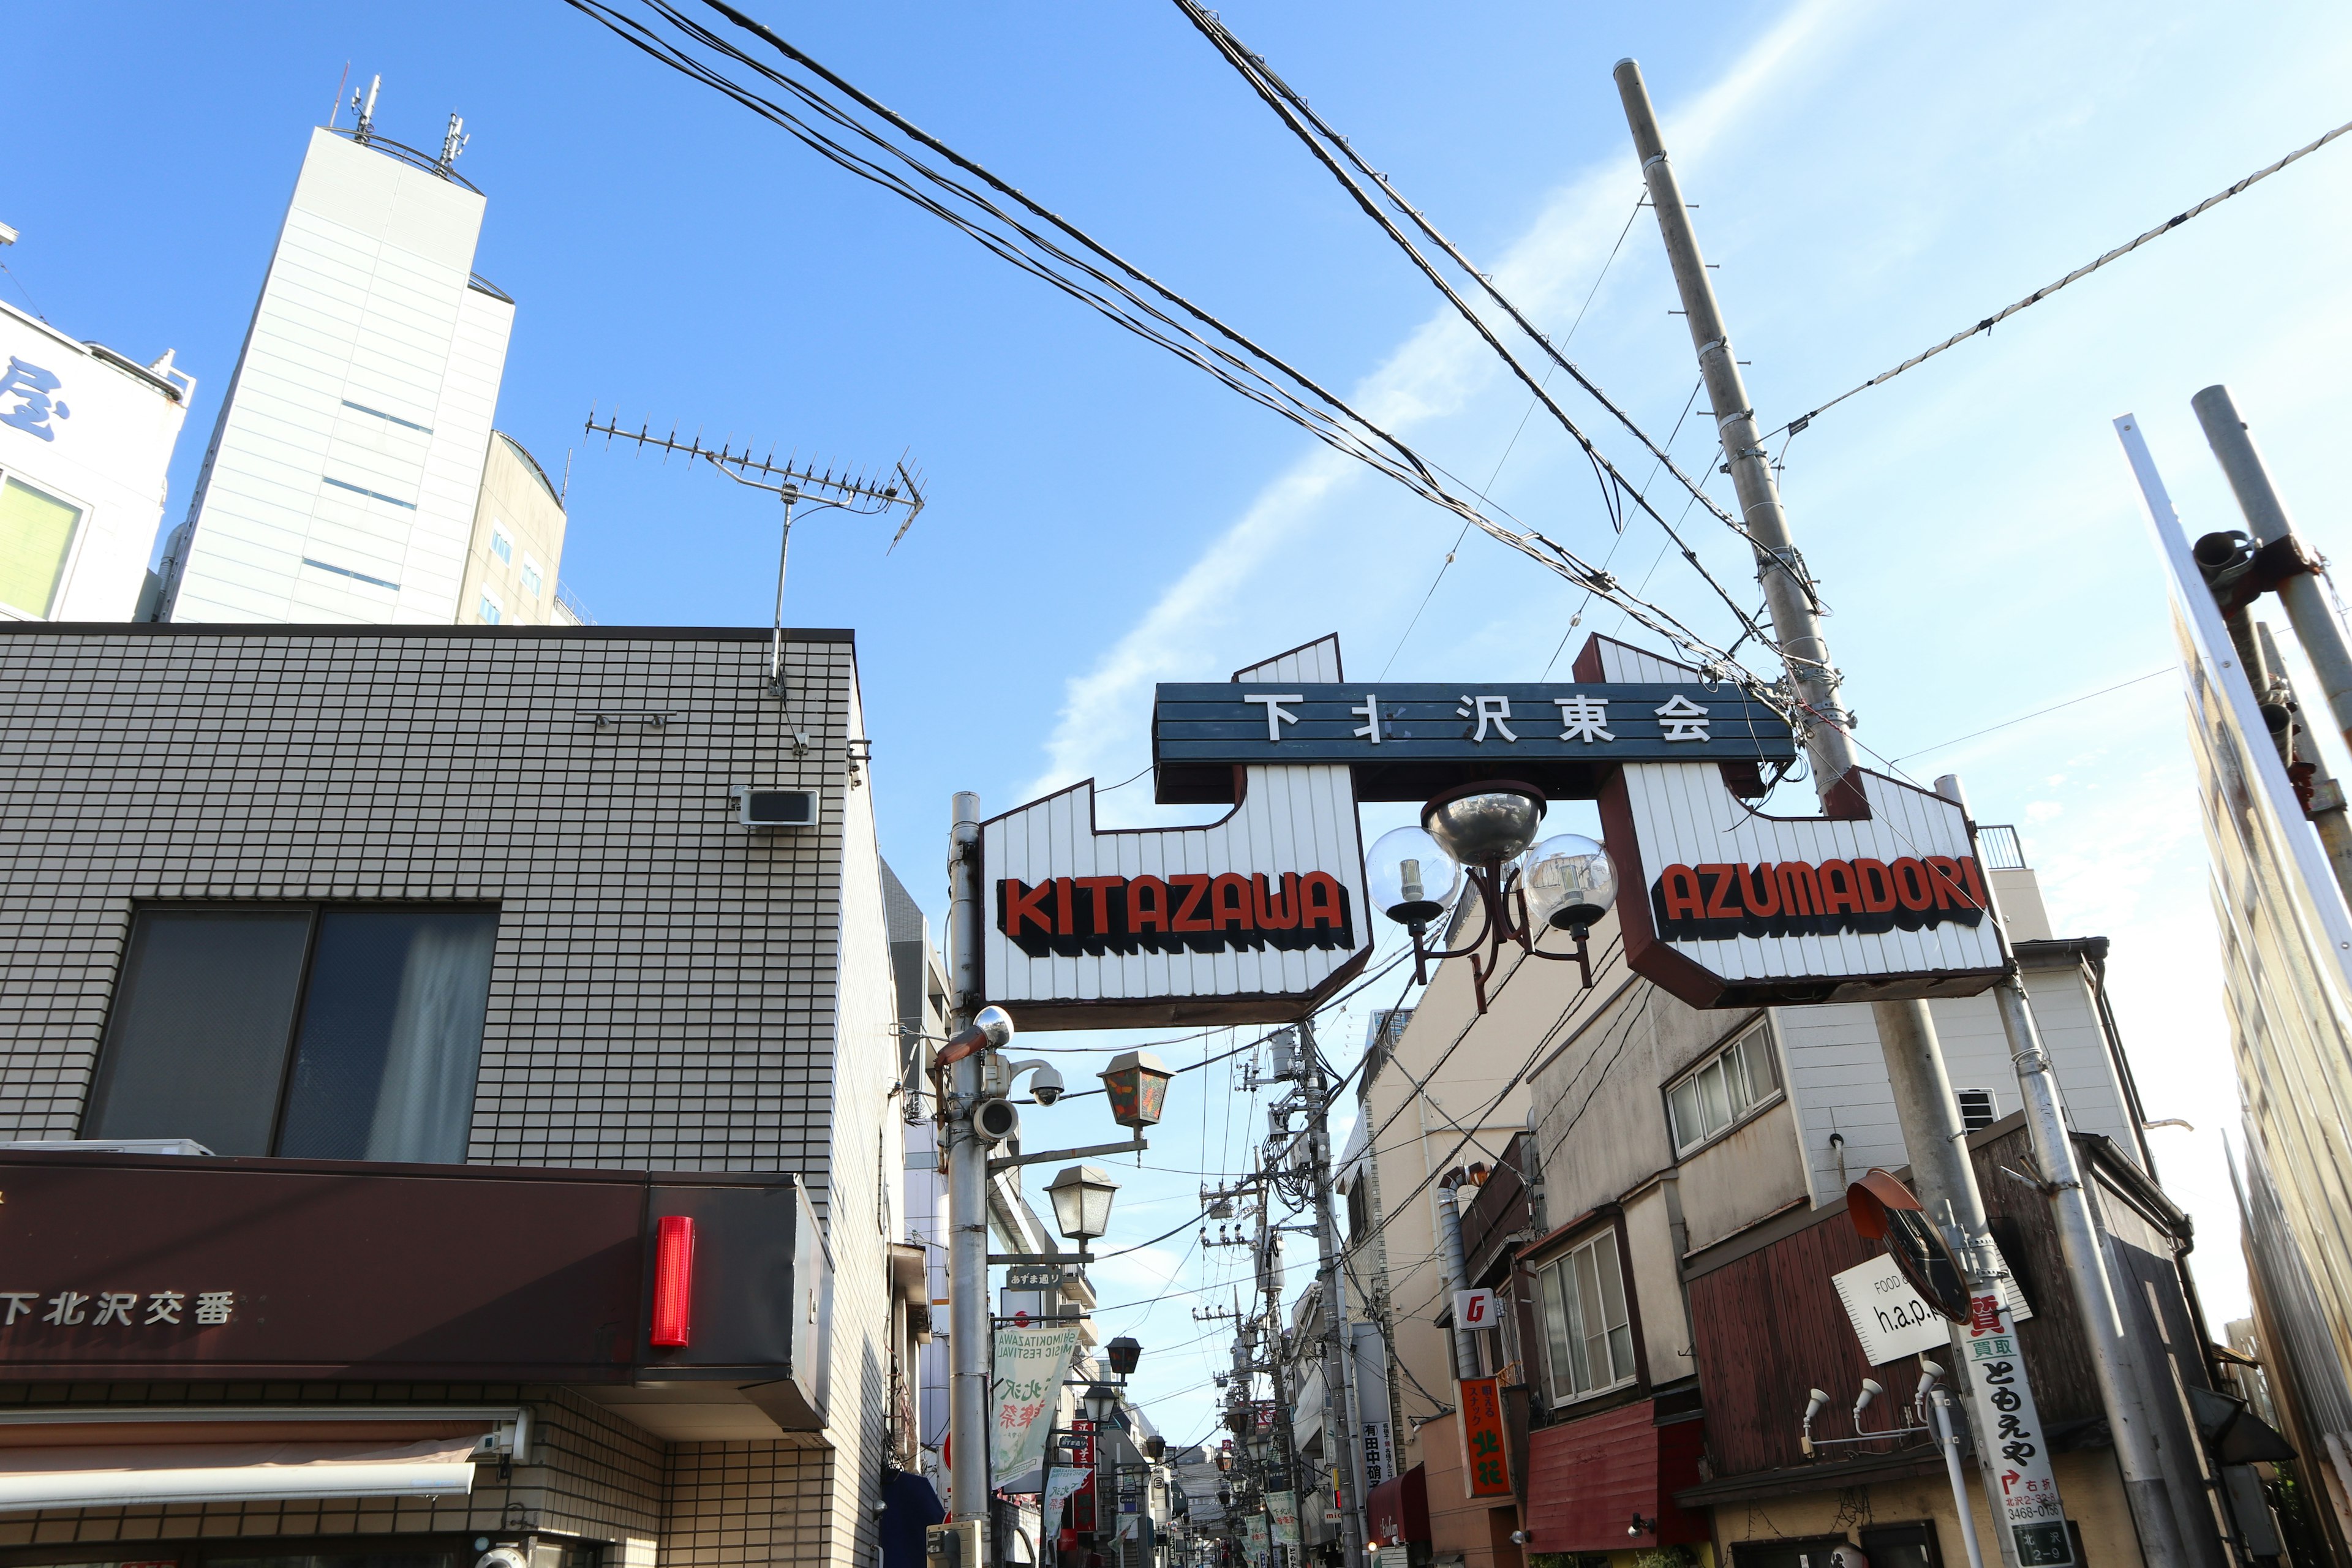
(800, 487)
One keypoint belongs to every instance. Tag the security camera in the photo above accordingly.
(995, 1121)
(504, 1557)
(1045, 1084)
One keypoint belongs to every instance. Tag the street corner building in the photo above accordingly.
(449, 1100)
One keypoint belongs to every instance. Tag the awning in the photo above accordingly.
(99, 1456)
(1587, 1480)
(104, 1475)
(1400, 1509)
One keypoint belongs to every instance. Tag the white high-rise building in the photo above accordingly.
(342, 478)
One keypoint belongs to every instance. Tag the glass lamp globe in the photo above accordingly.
(1413, 881)
(1485, 824)
(1081, 1195)
(1569, 881)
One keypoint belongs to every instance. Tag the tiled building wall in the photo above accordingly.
(667, 990)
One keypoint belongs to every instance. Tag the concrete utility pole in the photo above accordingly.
(2114, 1366)
(969, 1344)
(1269, 1281)
(1933, 1135)
(1342, 1445)
(2306, 606)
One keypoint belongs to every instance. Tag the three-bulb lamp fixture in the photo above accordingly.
(1081, 1195)
(1484, 831)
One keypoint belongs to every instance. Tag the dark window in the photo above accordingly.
(334, 1033)
(1910, 1545)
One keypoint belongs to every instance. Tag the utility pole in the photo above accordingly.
(968, 1346)
(2114, 1366)
(1342, 1443)
(1929, 1115)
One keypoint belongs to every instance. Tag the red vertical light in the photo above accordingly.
(673, 1280)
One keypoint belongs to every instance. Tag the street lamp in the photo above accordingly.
(1484, 830)
(1101, 1401)
(1081, 1195)
(1124, 1353)
(1136, 1083)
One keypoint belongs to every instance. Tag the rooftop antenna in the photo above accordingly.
(453, 142)
(341, 82)
(363, 106)
(797, 485)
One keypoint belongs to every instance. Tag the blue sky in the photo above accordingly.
(1871, 178)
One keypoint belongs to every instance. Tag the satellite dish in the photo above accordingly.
(1883, 1209)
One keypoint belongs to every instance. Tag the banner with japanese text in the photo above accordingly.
(1060, 1482)
(1486, 1441)
(1283, 1508)
(2010, 1426)
(1030, 1364)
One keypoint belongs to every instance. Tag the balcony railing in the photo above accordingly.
(1999, 848)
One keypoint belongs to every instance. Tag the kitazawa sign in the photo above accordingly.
(1262, 914)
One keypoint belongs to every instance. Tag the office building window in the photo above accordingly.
(500, 545)
(1588, 1331)
(489, 609)
(1976, 1108)
(330, 1032)
(531, 580)
(37, 540)
(1722, 1090)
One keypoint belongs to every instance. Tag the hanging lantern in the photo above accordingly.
(1138, 1086)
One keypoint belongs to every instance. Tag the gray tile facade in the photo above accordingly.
(668, 990)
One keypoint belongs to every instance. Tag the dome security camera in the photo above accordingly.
(1045, 1084)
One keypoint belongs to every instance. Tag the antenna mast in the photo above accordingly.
(364, 105)
(861, 494)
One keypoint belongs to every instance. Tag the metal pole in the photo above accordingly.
(1341, 1444)
(776, 643)
(1449, 1257)
(1925, 1107)
(2113, 1366)
(2315, 626)
(969, 1349)
(1951, 1444)
(1286, 1441)
(2326, 811)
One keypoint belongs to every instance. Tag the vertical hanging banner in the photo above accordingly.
(1282, 1508)
(1374, 1437)
(2010, 1428)
(1486, 1441)
(1029, 1367)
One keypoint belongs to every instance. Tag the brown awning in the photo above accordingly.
(1588, 1479)
(116, 1474)
(1400, 1509)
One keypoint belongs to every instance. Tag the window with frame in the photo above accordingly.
(1588, 1328)
(489, 609)
(328, 1032)
(500, 545)
(37, 540)
(531, 581)
(1716, 1095)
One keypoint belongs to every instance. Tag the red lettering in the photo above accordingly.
(1878, 885)
(1800, 890)
(1976, 886)
(1019, 905)
(1943, 876)
(1680, 886)
(1188, 916)
(1720, 878)
(1839, 895)
(1760, 892)
(1102, 904)
(1229, 902)
(1276, 911)
(1147, 913)
(1068, 902)
(1321, 902)
(1911, 884)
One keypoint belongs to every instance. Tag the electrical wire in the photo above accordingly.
(1054, 250)
(1801, 421)
(2038, 713)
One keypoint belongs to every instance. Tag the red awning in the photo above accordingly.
(1587, 1481)
(1399, 1509)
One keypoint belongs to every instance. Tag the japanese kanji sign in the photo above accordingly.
(1030, 1365)
(2008, 1424)
(1282, 1508)
(123, 1309)
(1486, 1441)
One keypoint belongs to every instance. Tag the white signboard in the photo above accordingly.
(2010, 1427)
(1893, 1320)
(1725, 906)
(1474, 1308)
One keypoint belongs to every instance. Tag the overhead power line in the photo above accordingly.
(882, 146)
(1797, 425)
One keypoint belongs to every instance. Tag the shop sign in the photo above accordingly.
(2010, 1426)
(99, 1308)
(1029, 1367)
(1372, 1405)
(1889, 1317)
(1486, 1441)
(1474, 1308)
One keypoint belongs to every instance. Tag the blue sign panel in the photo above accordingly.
(1407, 741)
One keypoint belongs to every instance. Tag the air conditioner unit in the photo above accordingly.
(953, 1545)
(758, 808)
